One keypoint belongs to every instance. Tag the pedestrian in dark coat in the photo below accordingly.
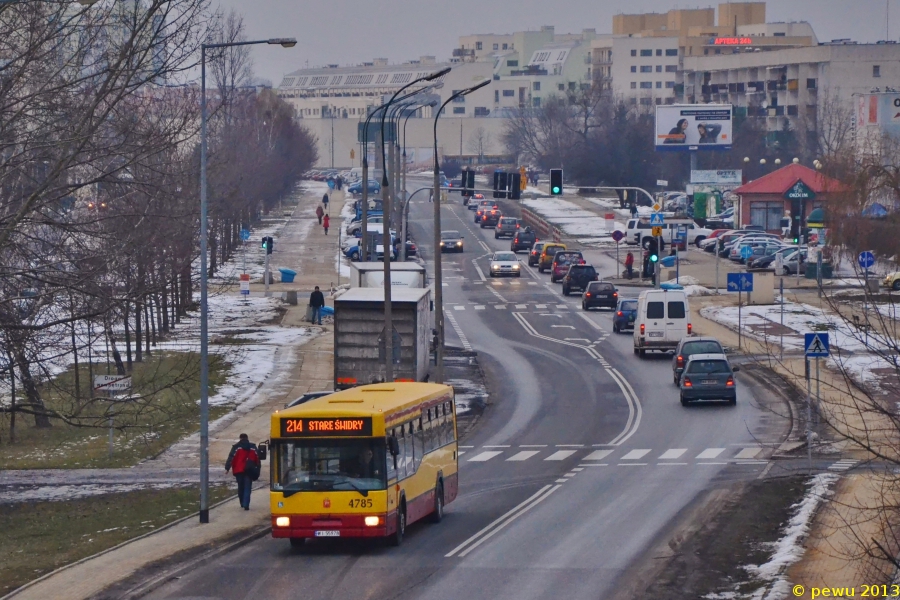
(319, 213)
(316, 301)
(243, 461)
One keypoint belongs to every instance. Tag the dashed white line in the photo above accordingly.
(459, 331)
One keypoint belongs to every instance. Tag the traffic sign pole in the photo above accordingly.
(739, 318)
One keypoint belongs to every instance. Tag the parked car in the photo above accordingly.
(763, 256)
(892, 280)
(663, 318)
(561, 262)
(490, 218)
(599, 294)
(547, 253)
(689, 346)
(373, 223)
(534, 255)
(451, 241)
(577, 278)
(505, 263)
(373, 186)
(626, 311)
(708, 377)
(638, 231)
(524, 239)
(789, 262)
(506, 226)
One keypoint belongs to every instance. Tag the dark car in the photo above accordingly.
(578, 277)
(708, 377)
(689, 346)
(524, 240)
(626, 312)
(451, 241)
(600, 294)
(485, 206)
(373, 186)
(534, 256)
(490, 218)
(561, 263)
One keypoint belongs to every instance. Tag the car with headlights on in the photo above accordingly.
(505, 264)
(451, 241)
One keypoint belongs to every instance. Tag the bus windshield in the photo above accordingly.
(323, 465)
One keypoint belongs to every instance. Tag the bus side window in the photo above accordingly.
(447, 429)
(419, 439)
(429, 430)
(450, 426)
(391, 471)
(410, 450)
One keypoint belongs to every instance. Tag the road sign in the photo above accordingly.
(662, 183)
(740, 282)
(112, 383)
(657, 218)
(245, 234)
(866, 259)
(746, 252)
(245, 284)
(617, 235)
(657, 207)
(656, 231)
(815, 345)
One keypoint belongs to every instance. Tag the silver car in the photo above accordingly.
(505, 263)
(508, 226)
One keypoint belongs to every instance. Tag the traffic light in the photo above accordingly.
(499, 184)
(515, 186)
(556, 182)
(468, 182)
(653, 250)
(268, 244)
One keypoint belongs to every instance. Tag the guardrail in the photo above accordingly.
(545, 229)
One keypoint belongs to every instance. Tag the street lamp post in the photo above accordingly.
(204, 306)
(405, 212)
(438, 280)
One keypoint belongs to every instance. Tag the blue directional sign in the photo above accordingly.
(866, 259)
(740, 282)
(656, 218)
(815, 345)
(245, 234)
(746, 252)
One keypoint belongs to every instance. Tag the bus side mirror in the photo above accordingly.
(262, 450)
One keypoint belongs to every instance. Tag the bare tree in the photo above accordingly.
(480, 141)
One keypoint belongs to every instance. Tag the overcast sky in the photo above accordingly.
(352, 31)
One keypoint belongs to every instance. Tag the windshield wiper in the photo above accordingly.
(345, 479)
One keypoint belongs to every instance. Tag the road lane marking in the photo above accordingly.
(672, 454)
(479, 307)
(671, 463)
(498, 446)
(710, 453)
(594, 465)
(578, 469)
(498, 524)
(524, 455)
(570, 475)
(461, 452)
(570, 445)
(532, 445)
(459, 308)
(485, 456)
(748, 453)
(560, 455)
(598, 455)
(713, 463)
(540, 306)
(564, 326)
(635, 454)
(521, 306)
(632, 465)
(500, 306)
(459, 331)
(477, 268)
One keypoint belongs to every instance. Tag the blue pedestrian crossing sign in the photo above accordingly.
(740, 282)
(245, 234)
(815, 345)
(656, 218)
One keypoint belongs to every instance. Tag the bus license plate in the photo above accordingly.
(328, 534)
(656, 334)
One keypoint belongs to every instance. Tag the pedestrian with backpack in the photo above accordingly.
(243, 462)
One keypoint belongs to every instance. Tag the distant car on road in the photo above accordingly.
(505, 263)
(451, 241)
(534, 256)
(561, 262)
(578, 277)
(485, 205)
(689, 346)
(490, 218)
(524, 239)
(548, 251)
(506, 226)
(626, 310)
(599, 294)
(708, 377)
(472, 203)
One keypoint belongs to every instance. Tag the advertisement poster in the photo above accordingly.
(684, 127)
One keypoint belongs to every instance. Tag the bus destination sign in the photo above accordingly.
(326, 427)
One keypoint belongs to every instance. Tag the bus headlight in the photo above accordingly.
(282, 522)
(372, 521)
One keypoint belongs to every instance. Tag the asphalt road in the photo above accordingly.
(580, 462)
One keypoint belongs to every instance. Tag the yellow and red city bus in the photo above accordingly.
(363, 462)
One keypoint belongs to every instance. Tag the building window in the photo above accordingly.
(671, 51)
(634, 68)
(671, 68)
(482, 111)
(496, 46)
(647, 52)
(659, 51)
(876, 70)
(670, 85)
(496, 95)
(572, 85)
(646, 101)
(536, 102)
(562, 87)
(536, 86)
(505, 46)
(634, 52)
(646, 85)
(509, 93)
(478, 45)
(646, 69)
(658, 84)
(512, 63)
(634, 85)
(659, 68)
(767, 215)
(458, 98)
(459, 110)
(810, 84)
(780, 34)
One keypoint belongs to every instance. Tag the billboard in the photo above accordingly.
(879, 112)
(682, 127)
(720, 177)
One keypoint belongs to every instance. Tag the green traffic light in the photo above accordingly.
(555, 189)
(653, 258)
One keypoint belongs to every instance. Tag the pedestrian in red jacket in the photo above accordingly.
(629, 264)
(243, 462)
(325, 222)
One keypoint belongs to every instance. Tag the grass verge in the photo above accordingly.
(38, 537)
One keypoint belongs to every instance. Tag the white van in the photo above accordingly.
(639, 230)
(663, 318)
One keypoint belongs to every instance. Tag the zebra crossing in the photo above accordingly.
(511, 306)
(843, 465)
(598, 456)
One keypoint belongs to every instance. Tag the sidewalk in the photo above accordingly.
(312, 254)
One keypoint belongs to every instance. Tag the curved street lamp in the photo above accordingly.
(438, 292)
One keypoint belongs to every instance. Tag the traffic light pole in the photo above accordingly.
(266, 274)
(656, 264)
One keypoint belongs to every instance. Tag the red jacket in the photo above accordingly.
(629, 260)
(325, 221)
(242, 458)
